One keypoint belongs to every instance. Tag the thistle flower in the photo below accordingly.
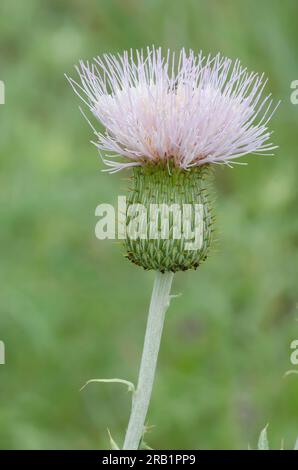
(171, 119)
(191, 110)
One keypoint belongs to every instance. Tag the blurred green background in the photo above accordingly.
(72, 308)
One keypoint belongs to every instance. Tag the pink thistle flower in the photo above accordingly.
(189, 110)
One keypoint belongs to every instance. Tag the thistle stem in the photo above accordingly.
(160, 300)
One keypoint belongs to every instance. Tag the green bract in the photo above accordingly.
(167, 186)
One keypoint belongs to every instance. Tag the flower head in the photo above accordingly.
(187, 110)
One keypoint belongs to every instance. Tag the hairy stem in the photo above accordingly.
(159, 303)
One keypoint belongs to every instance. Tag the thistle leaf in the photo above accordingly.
(144, 446)
(263, 443)
(130, 385)
(291, 372)
(113, 444)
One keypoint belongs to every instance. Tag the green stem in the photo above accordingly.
(159, 303)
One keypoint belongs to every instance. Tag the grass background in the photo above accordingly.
(72, 308)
